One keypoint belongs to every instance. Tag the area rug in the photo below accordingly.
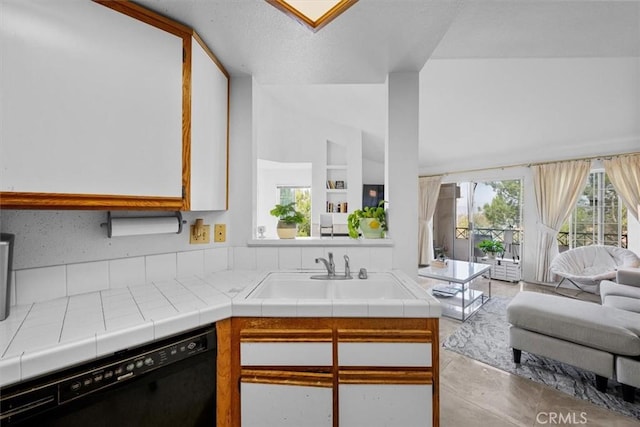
(485, 337)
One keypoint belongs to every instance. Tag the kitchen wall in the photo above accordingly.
(286, 135)
(46, 238)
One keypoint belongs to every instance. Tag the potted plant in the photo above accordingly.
(289, 219)
(491, 247)
(371, 221)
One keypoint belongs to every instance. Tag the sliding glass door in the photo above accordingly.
(490, 210)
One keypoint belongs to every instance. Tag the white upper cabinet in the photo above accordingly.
(209, 123)
(95, 114)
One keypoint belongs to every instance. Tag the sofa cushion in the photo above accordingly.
(628, 276)
(608, 288)
(600, 327)
(622, 303)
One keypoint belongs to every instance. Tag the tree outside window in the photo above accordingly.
(302, 198)
(599, 217)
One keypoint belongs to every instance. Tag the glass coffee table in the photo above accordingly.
(458, 300)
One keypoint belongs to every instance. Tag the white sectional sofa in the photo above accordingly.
(604, 339)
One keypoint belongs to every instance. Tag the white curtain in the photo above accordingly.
(624, 173)
(429, 188)
(557, 189)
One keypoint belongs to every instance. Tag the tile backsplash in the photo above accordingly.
(47, 283)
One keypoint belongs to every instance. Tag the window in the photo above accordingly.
(599, 218)
(496, 208)
(302, 198)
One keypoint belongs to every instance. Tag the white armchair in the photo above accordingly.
(585, 267)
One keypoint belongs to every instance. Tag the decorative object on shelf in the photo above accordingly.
(340, 185)
(491, 247)
(289, 219)
(372, 195)
(371, 221)
(339, 207)
(135, 226)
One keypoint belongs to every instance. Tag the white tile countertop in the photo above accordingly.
(46, 336)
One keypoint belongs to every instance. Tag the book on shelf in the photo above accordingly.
(340, 207)
(336, 185)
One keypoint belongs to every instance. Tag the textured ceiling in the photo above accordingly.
(375, 37)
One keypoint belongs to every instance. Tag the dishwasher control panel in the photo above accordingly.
(129, 367)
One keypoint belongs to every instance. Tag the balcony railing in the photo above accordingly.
(581, 239)
(488, 233)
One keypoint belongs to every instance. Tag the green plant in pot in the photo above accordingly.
(289, 219)
(371, 221)
(491, 247)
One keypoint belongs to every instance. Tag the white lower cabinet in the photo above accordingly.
(374, 405)
(329, 372)
(286, 405)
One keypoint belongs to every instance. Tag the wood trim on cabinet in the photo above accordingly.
(398, 335)
(186, 123)
(24, 200)
(287, 335)
(276, 324)
(225, 375)
(434, 325)
(286, 377)
(169, 25)
(385, 376)
(143, 14)
(213, 57)
(369, 328)
(37, 200)
(32, 200)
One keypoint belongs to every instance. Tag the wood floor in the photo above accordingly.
(475, 394)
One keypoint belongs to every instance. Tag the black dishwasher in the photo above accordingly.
(171, 382)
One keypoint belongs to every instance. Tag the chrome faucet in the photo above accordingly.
(329, 265)
(347, 268)
(331, 269)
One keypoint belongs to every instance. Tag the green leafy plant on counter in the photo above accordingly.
(376, 218)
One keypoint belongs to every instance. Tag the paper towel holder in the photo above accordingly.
(143, 220)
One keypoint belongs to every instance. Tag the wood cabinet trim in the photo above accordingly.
(225, 374)
(286, 377)
(34, 200)
(369, 327)
(146, 15)
(390, 336)
(186, 123)
(213, 57)
(385, 376)
(166, 24)
(21, 200)
(287, 335)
